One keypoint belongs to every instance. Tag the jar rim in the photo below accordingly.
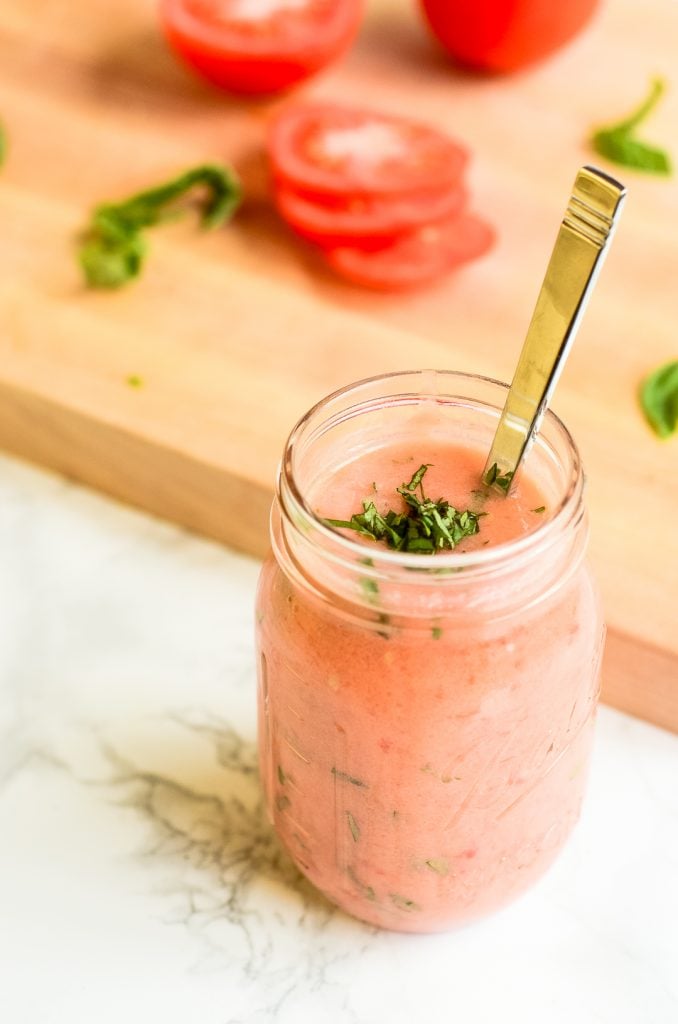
(295, 505)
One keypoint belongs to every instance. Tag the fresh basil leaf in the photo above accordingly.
(113, 249)
(617, 143)
(659, 399)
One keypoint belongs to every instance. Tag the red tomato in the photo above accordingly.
(364, 221)
(259, 46)
(416, 258)
(333, 150)
(502, 35)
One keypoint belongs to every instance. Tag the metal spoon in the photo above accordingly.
(587, 228)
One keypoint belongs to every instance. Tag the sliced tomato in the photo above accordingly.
(365, 221)
(259, 46)
(333, 150)
(416, 258)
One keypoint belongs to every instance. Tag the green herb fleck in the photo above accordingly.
(366, 890)
(134, 382)
(113, 248)
(402, 903)
(370, 589)
(384, 620)
(345, 777)
(282, 803)
(354, 826)
(436, 632)
(439, 865)
(426, 526)
(542, 508)
(617, 142)
(659, 399)
(282, 778)
(501, 480)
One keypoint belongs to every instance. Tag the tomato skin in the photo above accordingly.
(264, 63)
(417, 258)
(414, 157)
(364, 222)
(504, 35)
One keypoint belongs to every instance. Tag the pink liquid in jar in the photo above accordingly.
(425, 721)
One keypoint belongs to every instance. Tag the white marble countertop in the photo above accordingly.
(139, 881)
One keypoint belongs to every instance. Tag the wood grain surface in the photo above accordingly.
(236, 333)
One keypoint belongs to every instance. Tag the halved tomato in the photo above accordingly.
(416, 258)
(503, 35)
(334, 150)
(365, 221)
(259, 46)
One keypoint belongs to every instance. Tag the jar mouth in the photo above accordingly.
(411, 387)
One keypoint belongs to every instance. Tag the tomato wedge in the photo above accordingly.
(332, 150)
(365, 221)
(417, 258)
(259, 46)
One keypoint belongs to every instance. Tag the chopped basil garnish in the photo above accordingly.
(542, 508)
(366, 890)
(345, 777)
(402, 903)
(354, 826)
(494, 477)
(439, 865)
(370, 589)
(425, 527)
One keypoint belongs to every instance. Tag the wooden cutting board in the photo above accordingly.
(235, 334)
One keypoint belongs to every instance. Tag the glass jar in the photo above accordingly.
(425, 722)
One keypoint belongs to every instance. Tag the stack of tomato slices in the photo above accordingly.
(383, 197)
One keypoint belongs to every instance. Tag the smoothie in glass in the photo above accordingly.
(425, 720)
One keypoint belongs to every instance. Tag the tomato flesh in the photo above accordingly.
(365, 221)
(259, 46)
(333, 150)
(504, 35)
(416, 258)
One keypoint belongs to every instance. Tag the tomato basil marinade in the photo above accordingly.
(423, 736)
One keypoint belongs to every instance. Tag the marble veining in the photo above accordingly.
(233, 887)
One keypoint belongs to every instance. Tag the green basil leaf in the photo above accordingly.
(617, 143)
(113, 250)
(659, 399)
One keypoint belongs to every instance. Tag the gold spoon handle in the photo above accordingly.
(581, 245)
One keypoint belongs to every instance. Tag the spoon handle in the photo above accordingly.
(581, 245)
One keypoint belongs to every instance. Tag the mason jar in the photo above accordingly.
(425, 721)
